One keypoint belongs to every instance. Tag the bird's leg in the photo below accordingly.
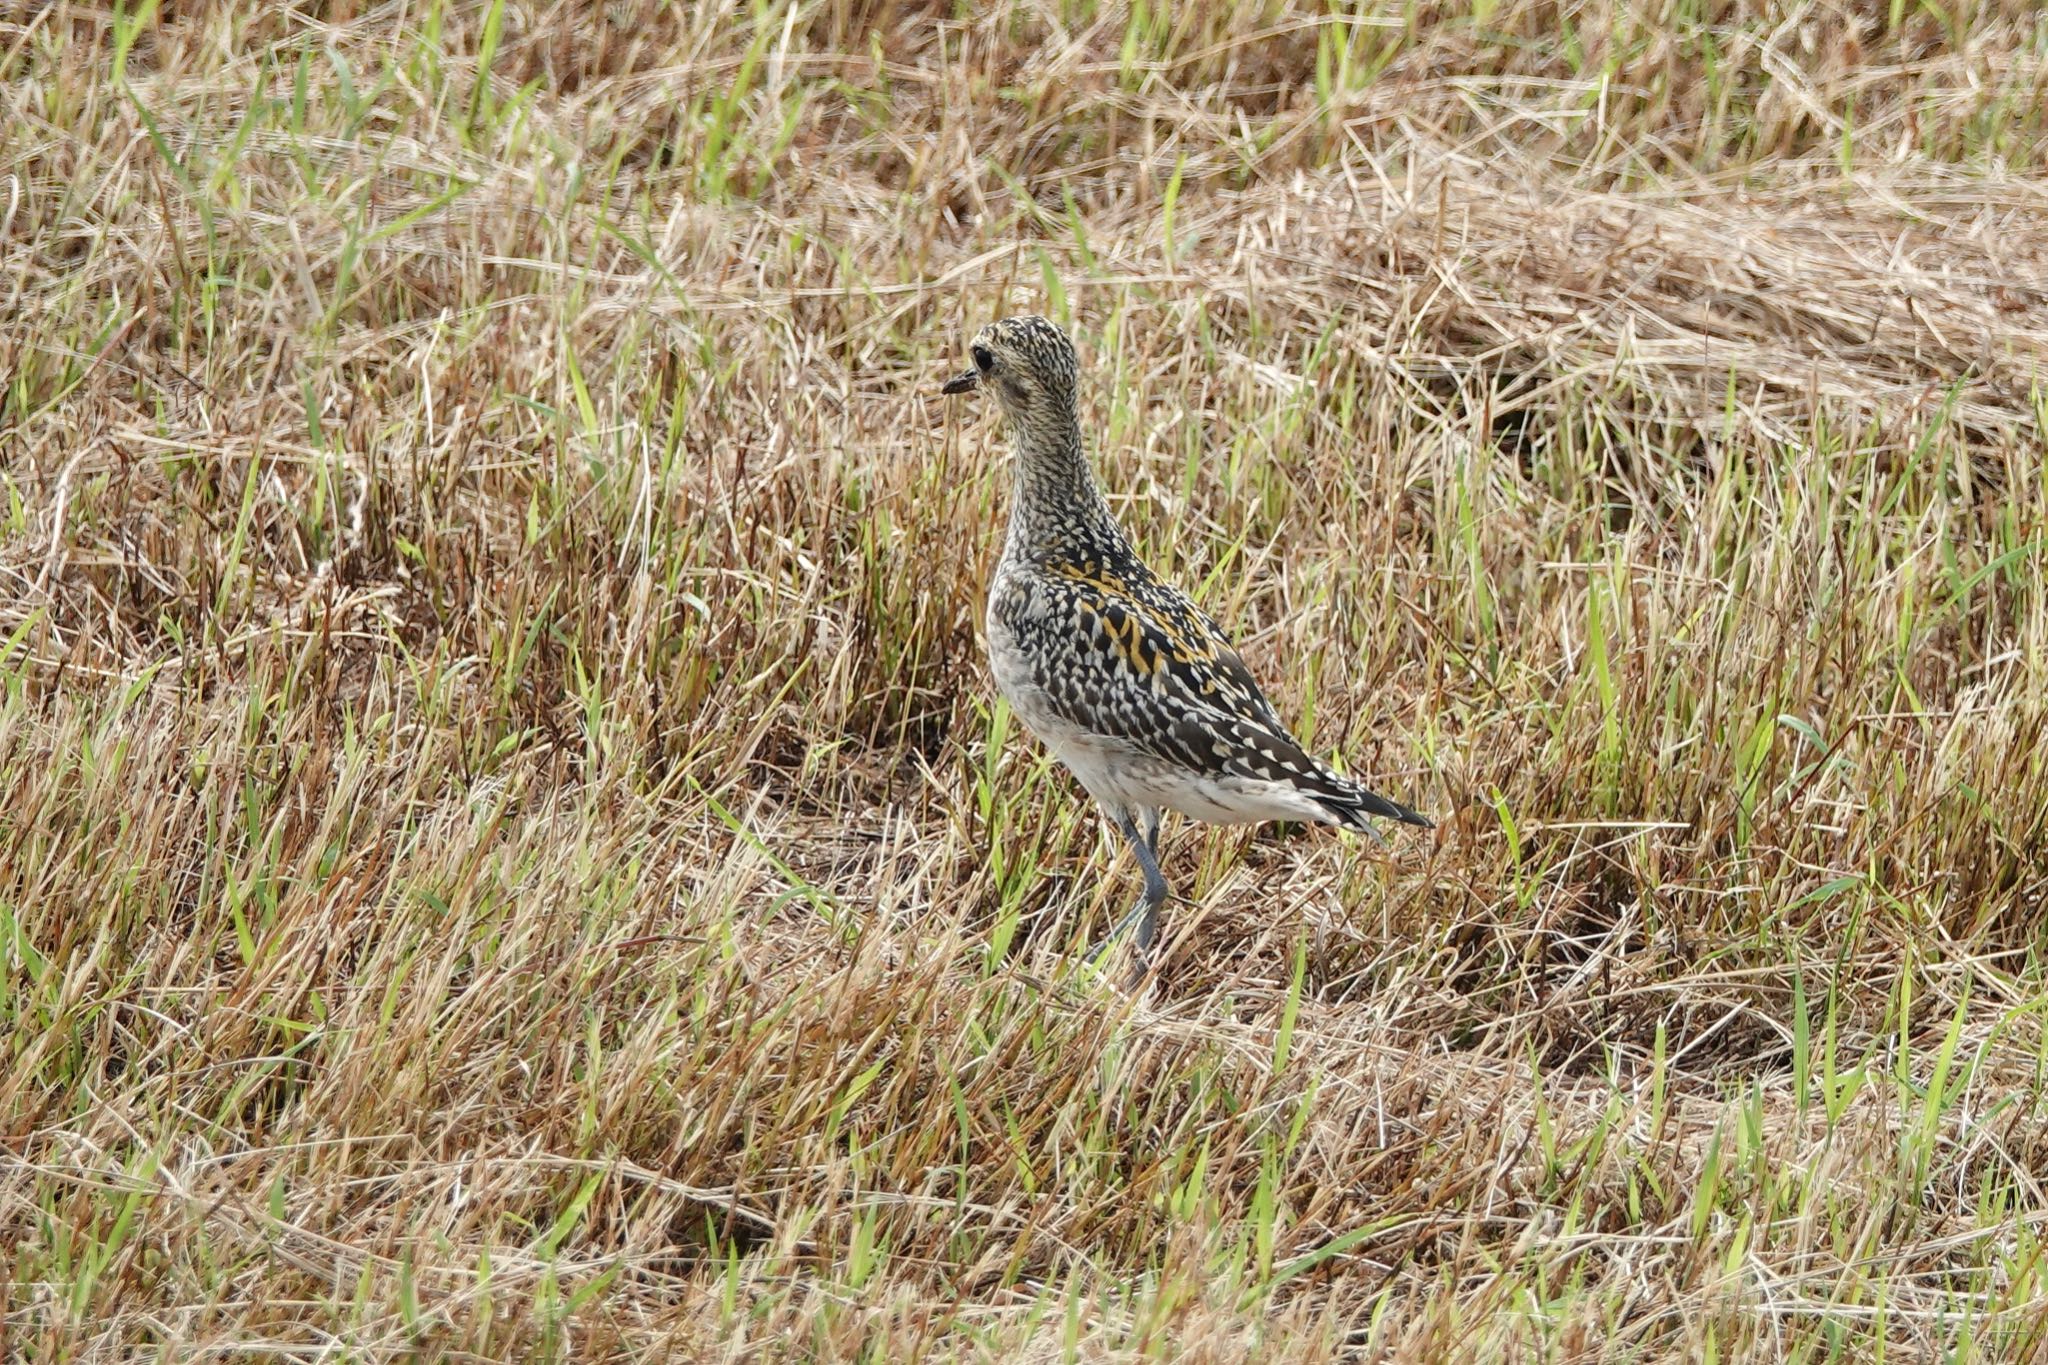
(1147, 909)
(1145, 914)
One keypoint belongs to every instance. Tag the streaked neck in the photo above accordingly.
(1055, 497)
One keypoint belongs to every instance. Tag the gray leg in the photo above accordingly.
(1146, 911)
(1145, 914)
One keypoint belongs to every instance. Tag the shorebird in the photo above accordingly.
(1130, 684)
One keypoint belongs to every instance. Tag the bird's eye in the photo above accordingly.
(984, 359)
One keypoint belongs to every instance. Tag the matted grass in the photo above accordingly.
(508, 850)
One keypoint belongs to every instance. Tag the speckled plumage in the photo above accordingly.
(1129, 683)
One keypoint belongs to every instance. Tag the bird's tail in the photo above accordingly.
(1354, 805)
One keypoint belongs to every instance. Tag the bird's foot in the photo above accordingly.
(1141, 962)
(1144, 917)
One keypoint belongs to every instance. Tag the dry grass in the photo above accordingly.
(508, 851)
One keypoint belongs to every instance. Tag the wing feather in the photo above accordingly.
(1155, 672)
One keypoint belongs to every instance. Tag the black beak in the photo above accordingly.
(961, 383)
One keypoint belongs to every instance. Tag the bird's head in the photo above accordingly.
(1027, 362)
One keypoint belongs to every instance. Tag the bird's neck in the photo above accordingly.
(1056, 500)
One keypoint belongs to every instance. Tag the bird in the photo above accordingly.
(1134, 688)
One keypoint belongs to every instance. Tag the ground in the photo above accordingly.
(508, 849)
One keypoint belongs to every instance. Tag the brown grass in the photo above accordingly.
(508, 850)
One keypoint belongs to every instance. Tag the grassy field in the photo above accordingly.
(509, 850)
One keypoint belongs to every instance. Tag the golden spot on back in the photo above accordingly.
(1095, 577)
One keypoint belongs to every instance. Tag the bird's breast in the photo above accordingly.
(1030, 652)
(1015, 630)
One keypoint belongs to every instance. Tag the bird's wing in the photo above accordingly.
(1156, 673)
(1229, 667)
(1145, 668)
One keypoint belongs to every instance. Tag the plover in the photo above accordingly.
(1126, 680)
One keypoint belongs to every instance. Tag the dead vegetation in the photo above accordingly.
(507, 850)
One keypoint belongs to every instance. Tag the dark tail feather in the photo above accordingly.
(1354, 806)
